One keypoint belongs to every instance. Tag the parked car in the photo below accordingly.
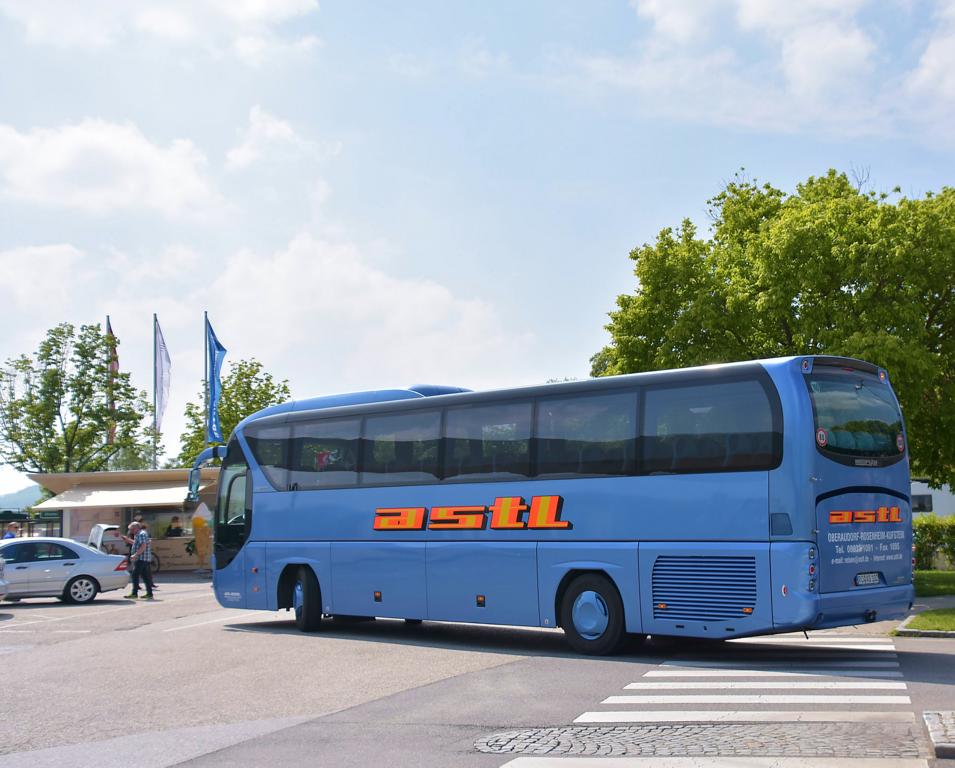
(3, 583)
(46, 566)
(106, 538)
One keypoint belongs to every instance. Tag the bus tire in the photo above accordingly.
(591, 613)
(307, 600)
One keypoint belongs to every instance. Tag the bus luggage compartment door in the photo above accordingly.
(865, 541)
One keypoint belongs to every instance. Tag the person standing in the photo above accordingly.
(140, 558)
(13, 530)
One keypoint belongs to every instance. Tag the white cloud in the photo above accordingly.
(251, 28)
(342, 323)
(775, 65)
(931, 85)
(265, 131)
(100, 167)
(411, 65)
(476, 60)
(315, 311)
(20, 268)
(681, 20)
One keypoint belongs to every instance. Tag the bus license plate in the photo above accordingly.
(867, 579)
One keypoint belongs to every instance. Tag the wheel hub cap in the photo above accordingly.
(590, 615)
(298, 598)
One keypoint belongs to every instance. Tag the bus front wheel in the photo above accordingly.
(591, 614)
(307, 600)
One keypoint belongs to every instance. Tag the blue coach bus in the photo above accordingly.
(714, 502)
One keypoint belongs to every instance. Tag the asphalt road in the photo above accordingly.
(181, 681)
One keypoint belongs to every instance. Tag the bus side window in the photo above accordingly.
(486, 441)
(723, 426)
(587, 434)
(269, 446)
(401, 448)
(324, 453)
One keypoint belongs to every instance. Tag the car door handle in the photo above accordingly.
(68, 565)
(21, 567)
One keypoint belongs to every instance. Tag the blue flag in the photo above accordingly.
(216, 353)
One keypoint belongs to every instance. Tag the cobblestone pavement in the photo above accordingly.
(827, 695)
(736, 739)
(941, 729)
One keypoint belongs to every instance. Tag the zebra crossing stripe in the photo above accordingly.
(814, 646)
(825, 685)
(846, 664)
(756, 698)
(743, 716)
(715, 762)
(806, 672)
(813, 639)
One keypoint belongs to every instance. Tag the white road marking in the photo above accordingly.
(71, 631)
(813, 639)
(78, 614)
(806, 672)
(715, 762)
(846, 664)
(774, 684)
(210, 621)
(17, 631)
(756, 698)
(881, 648)
(743, 716)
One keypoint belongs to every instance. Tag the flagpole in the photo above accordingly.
(109, 431)
(155, 395)
(205, 375)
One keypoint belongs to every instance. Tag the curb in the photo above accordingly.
(941, 729)
(903, 631)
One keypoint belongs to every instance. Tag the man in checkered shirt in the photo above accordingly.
(140, 559)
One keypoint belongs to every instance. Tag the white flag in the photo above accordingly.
(163, 372)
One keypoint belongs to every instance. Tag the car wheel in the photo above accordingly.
(307, 600)
(591, 614)
(81, 589)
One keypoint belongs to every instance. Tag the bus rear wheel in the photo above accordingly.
(591, 613)
(307, 600)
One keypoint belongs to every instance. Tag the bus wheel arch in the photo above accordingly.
(299, 590)
(591, 612)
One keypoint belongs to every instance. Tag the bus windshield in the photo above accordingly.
(856, 415)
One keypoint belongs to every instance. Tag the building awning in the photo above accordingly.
(110, 495)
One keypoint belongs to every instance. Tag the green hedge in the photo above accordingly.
(933, 536)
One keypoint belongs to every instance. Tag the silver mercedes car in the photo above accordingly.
(50, 567)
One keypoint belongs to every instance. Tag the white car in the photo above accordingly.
(3, 582)
(45, 566)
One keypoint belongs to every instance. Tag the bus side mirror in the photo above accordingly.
(193, 494)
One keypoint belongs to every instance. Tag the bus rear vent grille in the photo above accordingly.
(703, 588)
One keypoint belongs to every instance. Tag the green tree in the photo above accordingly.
(62, 410)
(828, 269)
(245, 389)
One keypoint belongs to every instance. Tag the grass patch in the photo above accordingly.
(934, 583)
(943, 619)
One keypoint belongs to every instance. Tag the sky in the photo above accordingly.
(377, 194)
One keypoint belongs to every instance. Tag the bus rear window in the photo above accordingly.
(856, 416)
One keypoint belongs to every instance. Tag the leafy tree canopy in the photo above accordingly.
(245, 389)
(62, 410)
(829, 269)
